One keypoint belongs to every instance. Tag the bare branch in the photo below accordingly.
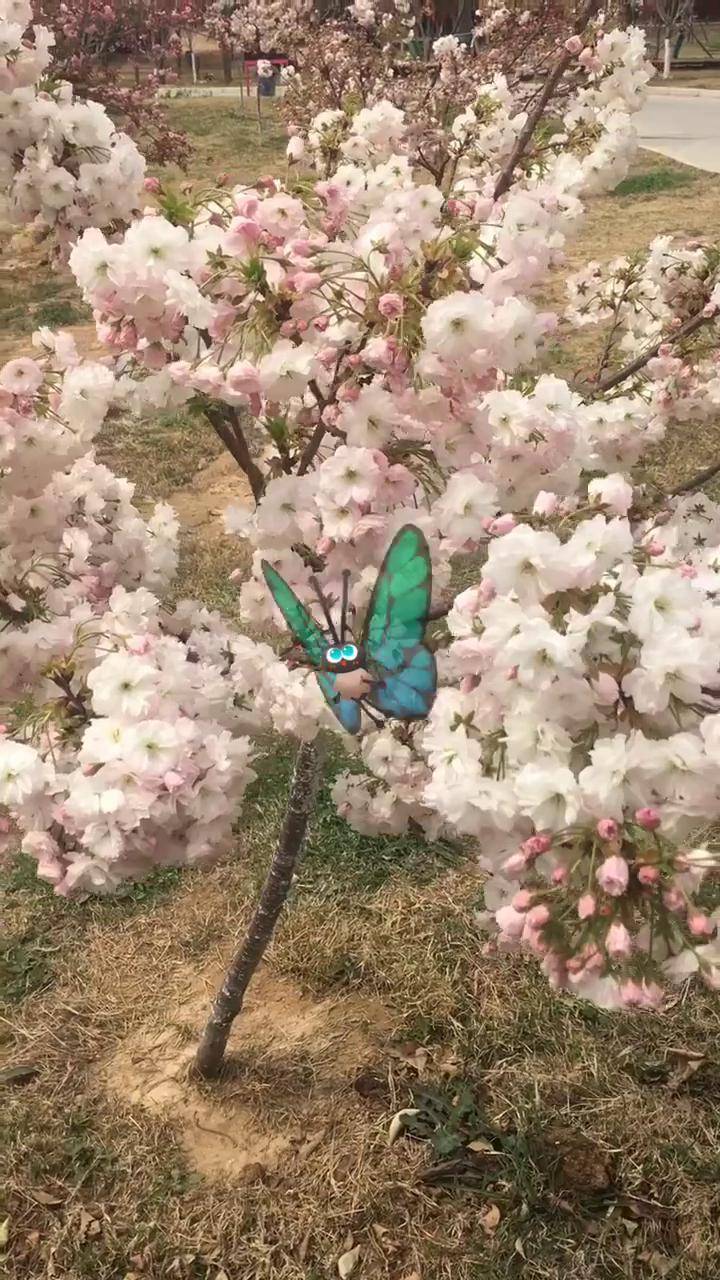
(697, 481)
(621, 375)
(554, 77)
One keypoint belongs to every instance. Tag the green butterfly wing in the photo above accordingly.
(307, 632)
(395, 626)
(299, 619)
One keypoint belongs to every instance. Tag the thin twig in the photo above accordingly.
(554, 77)
(697, 481)
(614, 379)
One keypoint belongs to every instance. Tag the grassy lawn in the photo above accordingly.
(596, 1136)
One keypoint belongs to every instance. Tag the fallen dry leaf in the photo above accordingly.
(397, 1124)
(490, 1219)
(687, 1063)
(520, 1248)
(88, 1226)
(311, 1143)
(45, 1197)
(19, 1074)
(660, 1264)
(348, 1262)
(4, 1232)
(480, 1144)
(303, 1247)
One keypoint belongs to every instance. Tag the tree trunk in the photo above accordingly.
(229, 1000)
(227, 61)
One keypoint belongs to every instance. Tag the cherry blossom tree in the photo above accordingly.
(94, 39)
(367, 339)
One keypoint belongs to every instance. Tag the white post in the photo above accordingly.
(193, 63)
(666, 59)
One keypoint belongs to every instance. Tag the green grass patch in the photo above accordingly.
(160, 453)
(655, 181)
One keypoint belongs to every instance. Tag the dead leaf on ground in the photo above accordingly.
(397, 1124)
(490, 1219)
(4, 1232)
(20, 1074)
(311, 1143)
(413, 1055)
(348, 1262)
(302, 1250)
(88, 1227)
(687, 1062)
(47, 1198)
(481, 1144)
(660, 1264)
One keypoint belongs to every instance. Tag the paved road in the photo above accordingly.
(686, 129)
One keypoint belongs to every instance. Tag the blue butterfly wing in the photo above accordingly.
(395, 626)
(346, 709)
(408, 694)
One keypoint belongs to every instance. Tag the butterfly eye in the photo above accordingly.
(349, 651)
(334, 655)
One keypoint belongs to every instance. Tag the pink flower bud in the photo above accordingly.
(613, 875)
(631, 992)
(152, 186)
(510, 921)
(522, 900)
(391, 305)
(538, 916)
(586, 906)
(560, 875)
(574, 44)
(618, 942)
(648, 818)
(536, 845)
(504, 524)
(700, 925)
(607, 828)
(173, 780)
(515, 865)
(655, 548)
(648, 875)
(674, 899)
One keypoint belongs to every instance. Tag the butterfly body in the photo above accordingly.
(390, 668)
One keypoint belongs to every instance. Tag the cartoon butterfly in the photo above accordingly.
(390, 669)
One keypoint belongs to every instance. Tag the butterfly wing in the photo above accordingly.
(346, 709)
(307, 633)
(299, 619)
(395, 625)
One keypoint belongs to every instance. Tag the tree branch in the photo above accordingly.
(226, 424)
(554, 77)
(614, 379)
(229, 1000)
(697, 481)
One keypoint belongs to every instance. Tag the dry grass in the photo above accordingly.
(119, 1168)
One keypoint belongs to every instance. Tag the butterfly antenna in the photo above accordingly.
(324, 606)
(344, 607)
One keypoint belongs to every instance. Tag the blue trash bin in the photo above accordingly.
(266, 85)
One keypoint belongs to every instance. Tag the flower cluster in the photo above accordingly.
(89, 43)
(61, 160)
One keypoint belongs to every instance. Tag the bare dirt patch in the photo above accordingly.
(310, 1052)
(202, 503)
